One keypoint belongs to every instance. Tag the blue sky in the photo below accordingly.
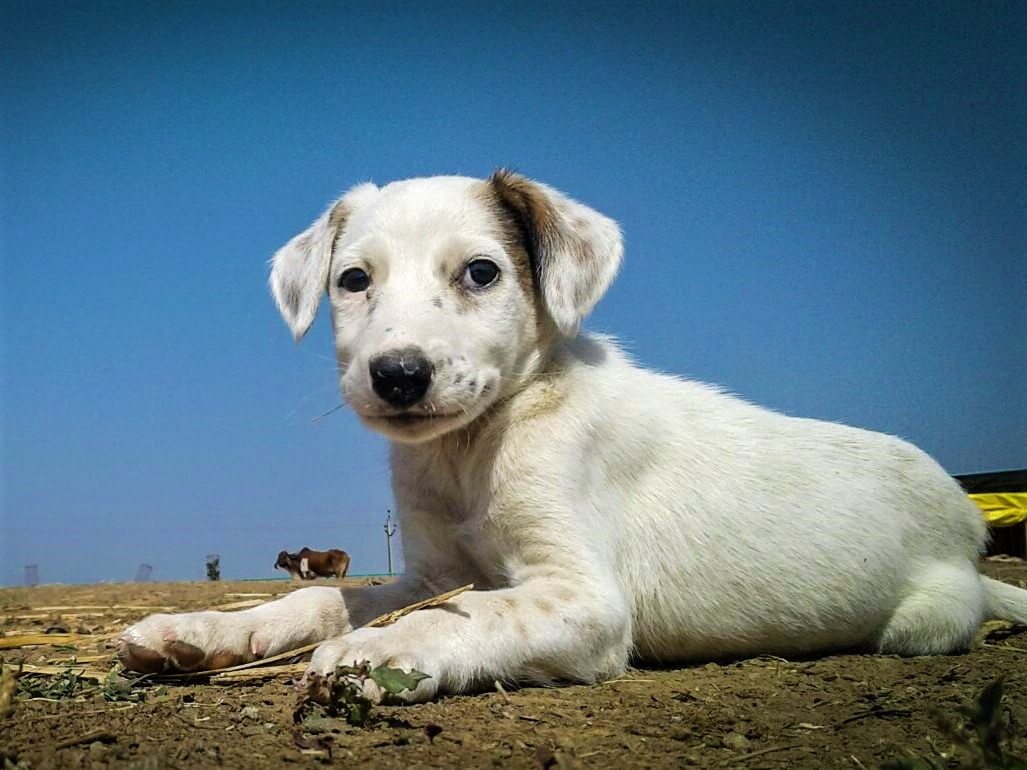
(823, 206)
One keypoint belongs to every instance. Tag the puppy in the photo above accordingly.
(603, 512)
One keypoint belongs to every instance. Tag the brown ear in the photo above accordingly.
(575, 251)
(299, 270)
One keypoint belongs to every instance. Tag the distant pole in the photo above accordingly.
(32, 574)
(143, 573)
(390, 530)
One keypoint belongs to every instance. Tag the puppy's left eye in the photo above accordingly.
(354, 280)
(480, 273)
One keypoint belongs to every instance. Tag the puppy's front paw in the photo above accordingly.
(195, 641)
(377, 647)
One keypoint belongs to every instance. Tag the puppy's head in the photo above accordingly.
(446, 292)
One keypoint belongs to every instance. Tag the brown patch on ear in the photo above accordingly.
(544, 606)
(336, 223)
(513, 234)
(531, 210)
(547, 227)
(337, 217)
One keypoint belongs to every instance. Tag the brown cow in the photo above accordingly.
(308, 563)
(290, 562)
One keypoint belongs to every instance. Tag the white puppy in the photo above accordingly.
(603, 512)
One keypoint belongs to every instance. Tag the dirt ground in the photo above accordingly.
(839, 711)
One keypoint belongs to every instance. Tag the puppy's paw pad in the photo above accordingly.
(184, 643)
(135, 657)
(225, 659)
(185, 656)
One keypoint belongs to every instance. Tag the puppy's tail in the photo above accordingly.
(1005, 602)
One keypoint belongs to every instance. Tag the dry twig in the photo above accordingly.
(258, 673)
(80, 672)
(28, 640)
(103, 735)
(760, 753)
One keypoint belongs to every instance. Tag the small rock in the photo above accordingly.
(251, 730)
(271, 727)
(318, 725)
(685, 697)
(250, 712)
(735, 742)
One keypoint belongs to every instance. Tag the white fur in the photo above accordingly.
(603, 511)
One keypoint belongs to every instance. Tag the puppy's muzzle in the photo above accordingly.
(401, 377)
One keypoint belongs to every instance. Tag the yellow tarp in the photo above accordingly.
(1002, 509)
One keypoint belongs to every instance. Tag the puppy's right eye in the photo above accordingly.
(354, 279)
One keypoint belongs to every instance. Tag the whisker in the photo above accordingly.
(333, 409)
(316, 393)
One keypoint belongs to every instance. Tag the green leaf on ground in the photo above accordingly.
(395, 680)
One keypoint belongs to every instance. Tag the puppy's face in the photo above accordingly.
(445, 292)
(433, 307)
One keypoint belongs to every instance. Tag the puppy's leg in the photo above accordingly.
(206, 640)
(543, 630)
(940, 613)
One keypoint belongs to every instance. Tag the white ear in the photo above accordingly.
(575, 250)
(299, 270)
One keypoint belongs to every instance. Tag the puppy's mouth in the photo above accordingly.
(458, 402)
(414, 426)
(409, 418)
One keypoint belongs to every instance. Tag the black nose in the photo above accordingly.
(401, 377)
